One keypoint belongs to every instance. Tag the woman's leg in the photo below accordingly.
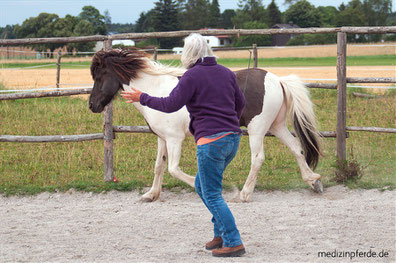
(212, 160)
(216, 226)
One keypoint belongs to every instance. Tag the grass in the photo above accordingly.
(383, 60)
(27, 168)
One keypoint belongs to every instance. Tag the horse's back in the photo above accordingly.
(251, 83)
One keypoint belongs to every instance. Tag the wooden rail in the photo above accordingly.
(371, 129)
(52, 138)
(184, 33)
(146, 129)
(31, 95)
(120, 129)
(371, 80)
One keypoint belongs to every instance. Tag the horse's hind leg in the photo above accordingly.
(174, 147)
(280, 130)
(160, 164)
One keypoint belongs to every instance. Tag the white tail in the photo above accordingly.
(300, 109)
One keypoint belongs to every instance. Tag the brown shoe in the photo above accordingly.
(217, 242)
(229, 251)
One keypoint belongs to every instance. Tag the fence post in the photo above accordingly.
(255, 58)
(341, 95)
(58, 64)
(108, 133)
(155, 53)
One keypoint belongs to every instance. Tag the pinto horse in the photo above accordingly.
(268, 100)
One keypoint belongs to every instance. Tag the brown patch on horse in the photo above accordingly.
(251, 83)
(125, 63)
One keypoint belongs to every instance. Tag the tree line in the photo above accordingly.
(173, 15)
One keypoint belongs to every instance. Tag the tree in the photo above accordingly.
(328, 15)
(122, 28)
(214, 14)
(41, 26)
(249, 11)
(107, 19)
(303, 14)
(352, 15)
(145, 23)
(83, 28)
(254, 39)
(274, 15)
(195, 14)
(7, 32)
(226, 19)
(166, 19)
(93, 16)
(289, 2)
(377, 11)
(341, 7)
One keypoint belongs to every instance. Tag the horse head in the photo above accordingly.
(110, 70)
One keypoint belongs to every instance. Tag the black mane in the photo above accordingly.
(125, 63)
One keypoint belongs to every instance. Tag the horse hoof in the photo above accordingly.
(149, 198)
(146, 200)
(318, 187)
(244, 197)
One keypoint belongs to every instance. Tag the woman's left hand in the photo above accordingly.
(131, 96)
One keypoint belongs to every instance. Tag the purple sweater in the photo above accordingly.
(211, 95)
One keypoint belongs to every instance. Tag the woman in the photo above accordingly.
(215, 103)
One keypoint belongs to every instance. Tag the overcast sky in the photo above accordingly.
(121, 11)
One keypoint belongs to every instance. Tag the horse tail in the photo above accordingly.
(300, 109)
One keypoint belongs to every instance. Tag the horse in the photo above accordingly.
(269, 101)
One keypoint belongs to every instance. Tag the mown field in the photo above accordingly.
(32, 168)
(376, 60)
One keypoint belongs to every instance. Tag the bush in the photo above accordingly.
(349, 170)
(312, 39)
(250, 40)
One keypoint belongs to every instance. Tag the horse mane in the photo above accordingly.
(128, 63)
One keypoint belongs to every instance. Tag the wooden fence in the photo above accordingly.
(341, 132)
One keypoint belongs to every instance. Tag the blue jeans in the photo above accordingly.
(213, 159)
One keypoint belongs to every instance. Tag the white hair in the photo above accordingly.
(195, 47)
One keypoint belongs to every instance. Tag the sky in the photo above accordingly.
(121, 11)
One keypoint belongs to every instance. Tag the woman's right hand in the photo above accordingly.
(131, 96)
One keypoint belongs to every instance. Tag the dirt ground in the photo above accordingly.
(275, 227)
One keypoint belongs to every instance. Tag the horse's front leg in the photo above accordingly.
(174, 147)
(257, 159)
(160, 164)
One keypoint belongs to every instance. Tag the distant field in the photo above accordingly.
(78, 73)
(385, 60)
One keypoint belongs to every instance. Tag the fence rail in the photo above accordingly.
(58, 93)
(52, 138)
(184, 33)
(109, 129)
(116, 129)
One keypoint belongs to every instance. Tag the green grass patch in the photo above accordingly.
(28, 168)
(379, 60)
